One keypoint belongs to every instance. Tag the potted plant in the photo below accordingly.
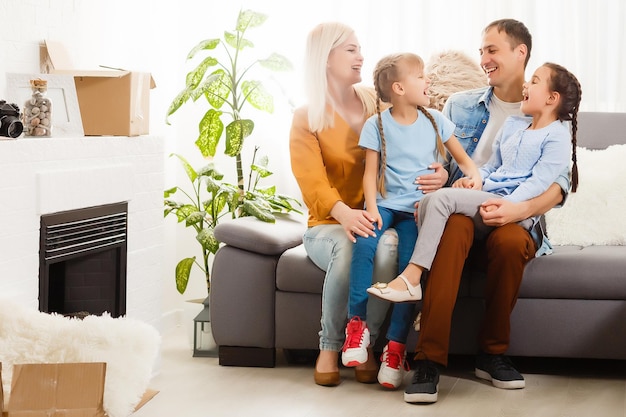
(226, 90)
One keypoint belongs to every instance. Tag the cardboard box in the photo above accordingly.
(58, 390)
(113, 102)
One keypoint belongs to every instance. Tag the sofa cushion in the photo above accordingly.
(574, 272)
(254, 235)
(308, 278)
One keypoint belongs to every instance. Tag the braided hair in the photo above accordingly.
(565, 83)
(387, 72)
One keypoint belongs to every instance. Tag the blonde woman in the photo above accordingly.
(328, 165)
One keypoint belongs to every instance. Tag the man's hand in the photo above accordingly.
(432, 182)
(498, 212)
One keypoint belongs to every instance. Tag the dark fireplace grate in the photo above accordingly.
(77, 237)
(83, 261)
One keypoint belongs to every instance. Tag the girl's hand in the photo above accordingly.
(468, 182)
(432, 182)
(354, 221)
(476, 183)
(462, 183)
(375, 214)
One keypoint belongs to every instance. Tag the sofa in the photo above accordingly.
(266, 293)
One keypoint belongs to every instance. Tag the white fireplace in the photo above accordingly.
(45, 176)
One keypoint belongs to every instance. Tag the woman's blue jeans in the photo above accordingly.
(327, 245)
(362, 271)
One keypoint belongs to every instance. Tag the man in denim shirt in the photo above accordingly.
(478, 115)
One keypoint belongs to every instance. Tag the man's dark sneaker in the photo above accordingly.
(499, 370)
(423, 387)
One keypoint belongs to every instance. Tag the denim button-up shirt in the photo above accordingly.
(469, 110)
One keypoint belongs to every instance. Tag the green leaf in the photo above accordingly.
(221, 199)
(205, 44)
(195, 77)
(259, 209)
(210, 171)
(169, 192)
(258, 96)
(212, 186)
(237, 43)
(216, 88)
(178, 101)
(249, 19)
(191, 173)
(207, 240)
(194, 218)
(206, 86)
(266, 192)
(184, 211)
(211, 128)
(236, 132)
(183, 269)
(263, 173)
(276, 62)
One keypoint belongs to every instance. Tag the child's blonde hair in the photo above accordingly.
(388, 71)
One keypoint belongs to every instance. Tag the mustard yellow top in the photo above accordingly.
(328, 166)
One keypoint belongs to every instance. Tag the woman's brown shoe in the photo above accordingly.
(366, 376)
(327, 379)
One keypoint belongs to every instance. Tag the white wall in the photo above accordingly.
(155, 35)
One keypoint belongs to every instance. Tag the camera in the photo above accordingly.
(10, 124)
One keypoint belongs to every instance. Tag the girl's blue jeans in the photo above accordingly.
(362, 270)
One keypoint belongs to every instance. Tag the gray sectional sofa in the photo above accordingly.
(266, 293)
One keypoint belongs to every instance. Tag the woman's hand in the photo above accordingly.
(353, 221)
(432, 182)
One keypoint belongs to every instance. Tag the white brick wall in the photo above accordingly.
(41, 176)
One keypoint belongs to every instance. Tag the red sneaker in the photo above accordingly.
(354, 351)
(393, 365)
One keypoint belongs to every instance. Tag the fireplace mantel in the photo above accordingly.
(43, 176)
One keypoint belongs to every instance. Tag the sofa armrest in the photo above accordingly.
(254, 235)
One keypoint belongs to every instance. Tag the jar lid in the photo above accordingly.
(38, 83)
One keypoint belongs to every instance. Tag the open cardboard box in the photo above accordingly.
(58, 390)
(112, 102)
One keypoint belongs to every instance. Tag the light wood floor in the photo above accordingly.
(199, 387)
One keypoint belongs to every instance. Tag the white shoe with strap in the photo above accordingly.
(411, 294)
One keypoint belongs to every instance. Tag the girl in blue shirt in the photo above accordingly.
(400, 142)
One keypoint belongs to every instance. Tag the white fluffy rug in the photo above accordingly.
(129, 348)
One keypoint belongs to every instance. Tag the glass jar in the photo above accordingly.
(38, 111)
